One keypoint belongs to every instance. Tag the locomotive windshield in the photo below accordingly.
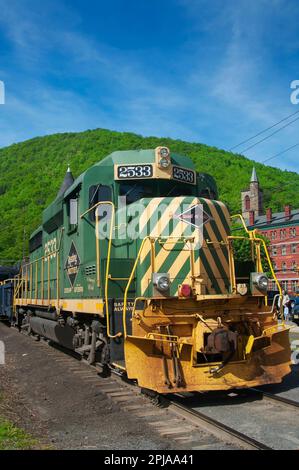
(135, 190)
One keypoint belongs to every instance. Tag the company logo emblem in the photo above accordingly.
(194, 216)
(72, 264)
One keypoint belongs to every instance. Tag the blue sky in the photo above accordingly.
(212, 71)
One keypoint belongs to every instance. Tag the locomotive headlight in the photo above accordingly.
(163, 157)
(164, 162)
(164, 152)
(262, 282)
(161, 281)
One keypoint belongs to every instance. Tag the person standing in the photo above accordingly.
(285, 304)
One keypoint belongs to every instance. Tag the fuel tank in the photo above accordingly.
(52, 330)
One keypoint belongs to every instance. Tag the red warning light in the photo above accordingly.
(185, 290)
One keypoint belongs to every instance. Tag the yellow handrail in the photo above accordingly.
(108, 258)
(152, 240)
(30, 266)
(252, 236)
(129, 283)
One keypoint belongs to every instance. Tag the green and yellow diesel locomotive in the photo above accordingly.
(133, 267)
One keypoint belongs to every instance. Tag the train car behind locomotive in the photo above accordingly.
(133, 267)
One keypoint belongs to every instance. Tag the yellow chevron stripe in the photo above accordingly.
(216, 216)
(209, 253)
(214, 268)
(162, 222)
(175, 269)
(167, 249)
(213, 237)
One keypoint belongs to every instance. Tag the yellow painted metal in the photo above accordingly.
(49, 280)
(57, 281)
(29, 267)
(249, 345)
(152, 241)
(118, 278)
(36, 279)
(252, 235)
(232, 273)
(276, 329)
(88, 306)
(107, 274)
(129, 283)
(158, 223)
(42, 280)
(146, 358)
(98, 260)
(163, 337)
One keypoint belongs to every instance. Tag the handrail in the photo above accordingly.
(252, 236)
(35, 262)
(240, 216)
(152, 240)
(129, 284)
(110, 203)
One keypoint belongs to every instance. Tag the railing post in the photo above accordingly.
(30, 279)
(232, 267)
(49, 291)
(57, 279)
(36, 288)
(42, 280)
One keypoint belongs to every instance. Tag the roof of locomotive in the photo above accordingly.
(142, 156)
(105, 167)
(129, 157)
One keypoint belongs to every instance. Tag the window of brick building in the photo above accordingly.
(274, 250)
(247, 203)
(293, 232)
(293, 248)
(294, 266)
(284, 267)
(283, 250)
(283, 234)
(295, 286)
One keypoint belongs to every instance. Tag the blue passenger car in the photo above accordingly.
(6, 301)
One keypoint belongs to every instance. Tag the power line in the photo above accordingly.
(264, 130)
(270, 135)
(280, 153)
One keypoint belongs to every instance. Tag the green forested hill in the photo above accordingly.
(31, 173)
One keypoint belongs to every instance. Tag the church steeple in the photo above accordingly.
(254, 178)
(67, 182)
(252, 198)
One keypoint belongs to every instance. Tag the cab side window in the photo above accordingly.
(98, 193)
(72, 204)
(73, 212)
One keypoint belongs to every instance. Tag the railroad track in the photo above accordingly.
(173, 418)
(217, 428)
(123, 390)
(276, 398)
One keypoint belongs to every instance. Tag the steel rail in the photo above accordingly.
(216, 428)
(275, 398)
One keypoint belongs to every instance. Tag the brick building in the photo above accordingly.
(281, 228)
